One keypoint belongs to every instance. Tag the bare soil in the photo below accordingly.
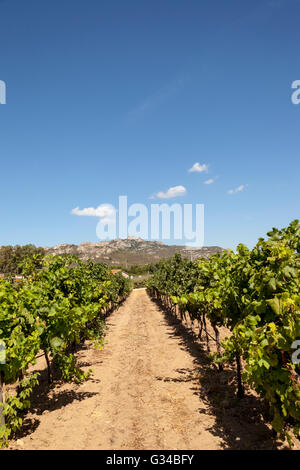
(153, 387)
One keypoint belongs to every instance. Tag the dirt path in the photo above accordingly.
(145, 393)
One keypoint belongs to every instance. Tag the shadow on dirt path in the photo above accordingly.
(240, 423)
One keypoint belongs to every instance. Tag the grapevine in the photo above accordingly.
(256, 295)
(62, 302)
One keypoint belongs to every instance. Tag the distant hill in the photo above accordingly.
(130, 251)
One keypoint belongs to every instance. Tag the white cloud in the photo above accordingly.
(237, 190)
(209, 181)
(198, 168)
(176, 191)
(104, 210)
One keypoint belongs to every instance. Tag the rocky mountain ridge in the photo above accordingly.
(130, 251)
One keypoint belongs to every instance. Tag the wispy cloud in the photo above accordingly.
(156, 99)
(210, 181)
(237, 190)
(276, 3)
(104, 210)
(198, 168)
(175, 191)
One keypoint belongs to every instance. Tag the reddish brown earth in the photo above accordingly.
(152, 387)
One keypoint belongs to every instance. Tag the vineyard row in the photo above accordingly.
(255, 294)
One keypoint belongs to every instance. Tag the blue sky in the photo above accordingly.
(109, 98)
